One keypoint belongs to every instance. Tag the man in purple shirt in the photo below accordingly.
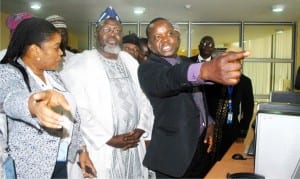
(182, 131)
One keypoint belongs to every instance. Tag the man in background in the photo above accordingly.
(232, 108)
(60, 24)
(206, 49)
(131, 44)
(144, 50)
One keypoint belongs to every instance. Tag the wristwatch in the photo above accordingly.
(82, 149)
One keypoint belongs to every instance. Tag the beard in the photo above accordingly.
(114, 50)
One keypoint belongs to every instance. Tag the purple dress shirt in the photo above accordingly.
(192, 76)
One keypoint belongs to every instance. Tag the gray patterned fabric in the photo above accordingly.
(125, 118)
(33, 147)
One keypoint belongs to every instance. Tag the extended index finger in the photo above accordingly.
(235, 56)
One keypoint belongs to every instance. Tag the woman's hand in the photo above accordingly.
(41, 105)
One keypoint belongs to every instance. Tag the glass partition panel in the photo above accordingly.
(183, 49)
(129, 28)
(225, 35)
(260, 75)
(282, 77)
(283, 43)
(268, 40)
(143, 27)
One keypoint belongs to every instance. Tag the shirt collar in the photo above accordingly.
(172, 61)
(201, 59)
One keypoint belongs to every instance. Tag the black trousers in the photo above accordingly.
(200, 165)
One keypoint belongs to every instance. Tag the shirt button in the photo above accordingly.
(40, 132)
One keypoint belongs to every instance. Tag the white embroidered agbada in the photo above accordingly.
(86, 76)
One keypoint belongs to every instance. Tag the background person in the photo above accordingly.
(182, 131)
(206, 49)
(12, 22)
(218, 96)
(117, 118)
(144, 50)
(40, 141)
(131, 44)
(232, 108)
(297, 80)
(60, 23)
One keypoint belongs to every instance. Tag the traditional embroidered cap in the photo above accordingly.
(57, 21)
(109, 12)
(13, 20)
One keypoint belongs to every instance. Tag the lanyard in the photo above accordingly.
(230, 113)
(229, 91)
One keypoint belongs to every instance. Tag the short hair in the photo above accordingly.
(143, 41)
(132, 39)
(207, 37)
(152, 22)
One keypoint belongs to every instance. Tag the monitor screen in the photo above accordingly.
(285, 97)
(277, 134)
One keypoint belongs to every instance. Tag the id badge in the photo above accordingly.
(229, 118)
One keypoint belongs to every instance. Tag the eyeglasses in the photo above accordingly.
(115, 30)
(207, 44)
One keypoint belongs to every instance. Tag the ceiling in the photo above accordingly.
(79, 13)
(84, 11)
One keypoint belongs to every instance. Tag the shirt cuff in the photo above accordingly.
(193, 74)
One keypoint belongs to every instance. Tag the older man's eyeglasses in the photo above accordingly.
(115, 30)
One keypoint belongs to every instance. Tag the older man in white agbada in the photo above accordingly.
(117, 117)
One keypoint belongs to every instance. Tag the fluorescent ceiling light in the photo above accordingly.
(35, 6)
(139, 10)
(279, 31)
(188, 6)
(277, 8)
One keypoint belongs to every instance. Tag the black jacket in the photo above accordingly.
(176, 125)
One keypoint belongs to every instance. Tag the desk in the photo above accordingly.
(228, 165)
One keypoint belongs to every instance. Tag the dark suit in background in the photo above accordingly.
(242, 104)
(206, 49)
(297, 80)
(194, 58)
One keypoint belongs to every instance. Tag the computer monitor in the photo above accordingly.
(296, 173)
(285, 97)
(277, 134)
